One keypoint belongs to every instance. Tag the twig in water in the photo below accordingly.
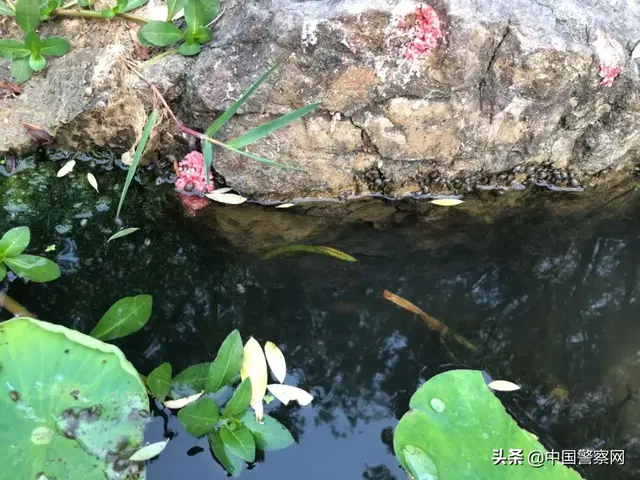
(14, 307)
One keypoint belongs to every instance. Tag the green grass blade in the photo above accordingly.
(208, 160)
(260, 159)
(151, 121)
(266, 128)
(224, 118)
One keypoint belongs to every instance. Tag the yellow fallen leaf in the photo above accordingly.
(287, 393)
(286, 205)
(447, 202)
(148, 452)
(503, 386)
(181, 402)
(276, 361)
(254, 366)
(228, 198)
(66, 168)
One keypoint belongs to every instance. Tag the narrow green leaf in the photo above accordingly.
(160, 34)
(32, 42)
(55, 46)
(5, 9)
(28, 14)
(13, 49)
(108, 13)
(266, 128)
(3, 271)
(225, 369)
(229, 461)
(240, 401)
(123, 233)
(151, 121)
(126, 316)
(210, 9)
(189, 49)
(191, 380)
(20, 69)
(14, 242)
(47, 7)
(322, 250)
(230, 112)
(34, 268)
(159, 381)
(133, 4)
(194, 14)
(120, 6)
(269, 435)
(239, 441)
(37, 62)
(173, 7)
(199, 418)
(208, 160)
(261, 159)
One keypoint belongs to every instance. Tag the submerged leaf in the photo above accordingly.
(322, 250)
(287, 393)
(66, 168)
(229, 461)
(225, 369)
(503, 386)
(14, 242)
(159, 381)
(276, 361)
(182, 402)
(447, 202)
(148, 452)
(92, 181)
(126, 316)
(240, 442)
(123, 233)
(254, 366)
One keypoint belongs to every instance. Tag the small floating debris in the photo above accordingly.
(92, 181)
(123, 233)
(148, 452)
(286, 205)
(66, 169)
(447, 202)
(503, 386)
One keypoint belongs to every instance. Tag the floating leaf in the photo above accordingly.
(34, 268)
(254, 366)
(447, 202)
(148, 452)
(159, 381)
(269, 435)
(229, 461)
(276, 361)
(503, 386)
(199, 418)
(228, 198)
(287, 393)
(239, 441)
(322, 250)
(183, 402)
(126, 316)
(66, 168)
(146, 132)
(193, 378)
(14, 242)
(123, 233)
(92, 181)
(240, 401)
(286, 205)
(225, 369)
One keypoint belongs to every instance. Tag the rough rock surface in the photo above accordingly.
(514, 91)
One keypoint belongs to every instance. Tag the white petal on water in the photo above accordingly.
(503, 386)
(66, 168)
(286, 205)
(148, 452)
(447, 202)
(92, 181)
(287, 393)
(276, 361)
(181, 402)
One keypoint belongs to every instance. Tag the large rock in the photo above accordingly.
(511, 83)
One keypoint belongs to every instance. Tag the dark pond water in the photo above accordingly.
(548, 297)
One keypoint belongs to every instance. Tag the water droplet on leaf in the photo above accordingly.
(438, 405)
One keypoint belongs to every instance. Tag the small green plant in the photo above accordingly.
(30, 267)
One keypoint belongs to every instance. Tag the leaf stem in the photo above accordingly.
(14, 307)
(69, 5)
(160, 56)
(90, 14)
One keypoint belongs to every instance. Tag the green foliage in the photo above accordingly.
(30, 267)
(126, 316)
(159, 381)
(239, 440)
(455, 423)
(270, 435)
(6, 9)
(240, 400)
(199, 418)
(66, 391)
(146, 132)
(225, 369)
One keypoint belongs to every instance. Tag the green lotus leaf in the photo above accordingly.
(72, 406)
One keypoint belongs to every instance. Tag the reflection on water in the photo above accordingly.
(548, 300)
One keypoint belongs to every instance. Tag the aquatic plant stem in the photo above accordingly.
(90, 14)
(14, 307)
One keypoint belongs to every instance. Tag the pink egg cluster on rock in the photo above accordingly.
(191, 179)
(608, 74)
(424, 32)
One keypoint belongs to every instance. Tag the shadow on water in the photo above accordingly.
(550, 297)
